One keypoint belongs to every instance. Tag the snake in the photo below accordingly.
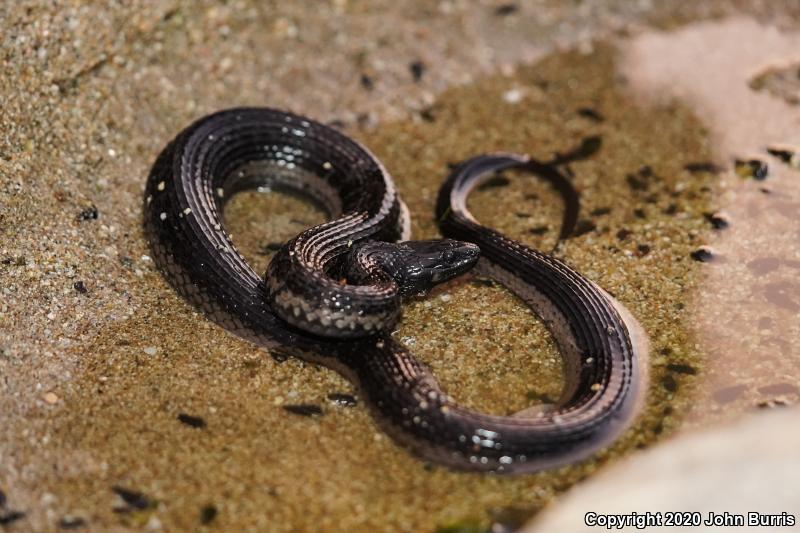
(333, 294)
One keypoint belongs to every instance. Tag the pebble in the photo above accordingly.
(50, 397)
(703, 254)
(150, 350)
(512, 96)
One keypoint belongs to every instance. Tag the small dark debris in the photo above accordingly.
(80, 287)
(639, 213)
(207, 514)
(658, 428)
(703, 166)
(71, 522)
(304, 409)
(193, 421)
(531, 196)
(600, 211)
(591, 114)
(643, 249)
(132, 498)
(635, 183)
(366, 82)
(483, 282)
(498, 180)
(669, 383)
(336, 123)
(3, 499)
(428, 115)
(170, 14)
(583, 226)
(652, 198)
(785, 155)
(505, 10)
(538, 230)
(589, 146)
(717, 220)
(365, 120)
(346, 400)
(681, 368)
(623, 234)
(671, 209)
(728, 394)
(702, 254)
(522, 215)
(10, 517)
(90, 213)
(646, 171)
(752, 168)
(666, 350)
(417, 69)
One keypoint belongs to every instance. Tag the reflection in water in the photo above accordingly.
(745, 312)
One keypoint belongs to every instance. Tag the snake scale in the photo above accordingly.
(331, 295)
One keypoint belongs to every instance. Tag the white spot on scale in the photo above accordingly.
(161, 186)
(187, 210)
(163, 216)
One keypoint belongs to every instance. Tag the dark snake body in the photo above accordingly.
(227, 151)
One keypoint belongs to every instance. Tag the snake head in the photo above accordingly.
(423, 264)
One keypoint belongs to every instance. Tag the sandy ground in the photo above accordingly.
(99, 357)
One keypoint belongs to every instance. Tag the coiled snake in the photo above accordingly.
(331, 294)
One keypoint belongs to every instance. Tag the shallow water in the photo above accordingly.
(254, 460)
